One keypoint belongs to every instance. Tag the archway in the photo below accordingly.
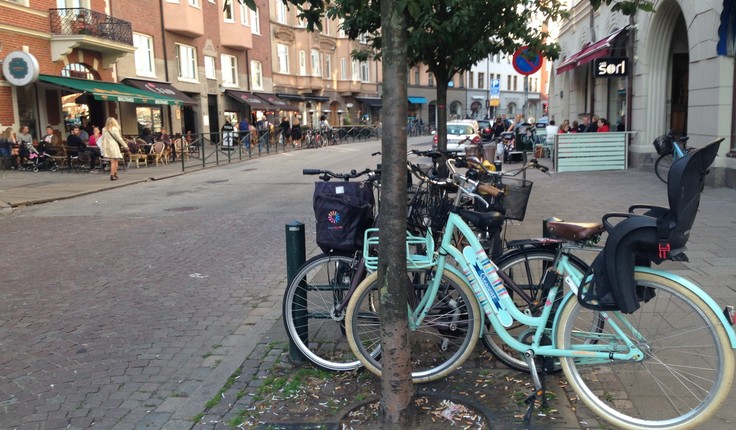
(456, 110)
(664, 48)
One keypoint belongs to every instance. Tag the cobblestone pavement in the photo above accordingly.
(130, 308)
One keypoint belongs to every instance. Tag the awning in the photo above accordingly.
(370, 101)
(251, 100)
(276, 102)
(109, 91)
(590, 52)
(159, 88)
(417, 100)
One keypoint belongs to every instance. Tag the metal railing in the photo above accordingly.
(82, 21)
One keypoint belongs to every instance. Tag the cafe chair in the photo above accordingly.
(137, 155)
(157, 152)
(181, 150)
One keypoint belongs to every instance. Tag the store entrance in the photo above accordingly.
(214, 118)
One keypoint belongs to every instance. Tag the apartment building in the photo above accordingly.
(678, 74)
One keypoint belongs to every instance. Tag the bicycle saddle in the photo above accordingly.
(482, 220)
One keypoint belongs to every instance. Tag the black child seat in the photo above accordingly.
(656, 235)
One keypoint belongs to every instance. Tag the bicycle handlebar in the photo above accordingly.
(326, 175)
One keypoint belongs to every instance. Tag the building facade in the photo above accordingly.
(679, 74)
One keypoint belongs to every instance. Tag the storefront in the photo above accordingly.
(156, 117)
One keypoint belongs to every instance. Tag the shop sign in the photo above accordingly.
(20, 68)
(610, 67)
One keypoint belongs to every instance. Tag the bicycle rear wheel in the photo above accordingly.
(688, 363)
(662, 166)
(526, 269)
(438, 346)
(309, 311)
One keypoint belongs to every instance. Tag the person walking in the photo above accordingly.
(111, 143)
(7, 140)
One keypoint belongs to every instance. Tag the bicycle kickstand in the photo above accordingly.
(539, 389)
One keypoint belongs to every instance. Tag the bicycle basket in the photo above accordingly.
(419, 250)
(663, 145)
(343, 211)
(427, 211)
(516, 197)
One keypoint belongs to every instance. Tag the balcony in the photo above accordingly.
(309, 83)
(88, 29)
(183, 19)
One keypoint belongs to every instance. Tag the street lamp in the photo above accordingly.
(311, 118)
(339, 117)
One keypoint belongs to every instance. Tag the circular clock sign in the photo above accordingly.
(20, 68)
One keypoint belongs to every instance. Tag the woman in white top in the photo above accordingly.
(110, 144)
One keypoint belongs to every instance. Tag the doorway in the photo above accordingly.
(679, 93)
(214, 118)
(190, 120)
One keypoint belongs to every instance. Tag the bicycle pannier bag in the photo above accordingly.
(343, 211)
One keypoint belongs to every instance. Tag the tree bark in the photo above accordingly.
(396, 386)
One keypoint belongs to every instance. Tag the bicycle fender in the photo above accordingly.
(700, 293)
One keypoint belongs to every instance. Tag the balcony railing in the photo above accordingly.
(81, 21)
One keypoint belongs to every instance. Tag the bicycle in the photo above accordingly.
(669, 150)
(315, 299)
(635, 370)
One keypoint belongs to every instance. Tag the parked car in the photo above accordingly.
(459, 135)
(472, 122)
(485, 129)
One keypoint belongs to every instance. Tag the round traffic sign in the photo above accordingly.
(526, 61)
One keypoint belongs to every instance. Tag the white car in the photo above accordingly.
(459, 135)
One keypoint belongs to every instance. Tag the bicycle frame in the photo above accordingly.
(499, 301)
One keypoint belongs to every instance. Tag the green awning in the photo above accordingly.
(109, 91)
(417, 100)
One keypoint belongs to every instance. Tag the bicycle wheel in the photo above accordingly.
(439, 345)
(662, 166)
(525, 267)
(686, 372)
(309, 311)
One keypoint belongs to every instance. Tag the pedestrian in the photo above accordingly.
(565, 127)
(112, 144)
(603, 126)
(244, 131)
(296, 133)
(285, 127)
(7, 140)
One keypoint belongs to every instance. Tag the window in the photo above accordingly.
(210, 71)
(228, 10)
(340, 30)
(516, 83)
(416, 76)
(281, 12)
(481, 80)
(356, 70)
(365, 72)
(69, 4)
(229, 66)
(187, 59)
(343, 68)
(363, 38)
(144, 62)
(77, 70)
(326, 26)
(302, 62)
(282, 53)
(244, 15)
(508, 83)
(430, 79)
(20, 2)
(316, 63)
(471, 77)
(256, 75)
(255, 21)
(328, 66)
(194, 3)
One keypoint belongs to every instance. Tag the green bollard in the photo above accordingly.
(295, 257)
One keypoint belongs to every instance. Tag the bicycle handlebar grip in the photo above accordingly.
(311, 172)
(489, 190)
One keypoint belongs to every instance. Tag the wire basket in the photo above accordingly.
(419, 250)
(516, 197)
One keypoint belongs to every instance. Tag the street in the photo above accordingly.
(129, 308)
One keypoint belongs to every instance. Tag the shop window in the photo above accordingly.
(149, 117)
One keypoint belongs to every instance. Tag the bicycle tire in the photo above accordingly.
(525, 267)
(662, 166)
(687, 353)
(320, 336)
(444, 340)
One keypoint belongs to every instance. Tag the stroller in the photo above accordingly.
(37, 161)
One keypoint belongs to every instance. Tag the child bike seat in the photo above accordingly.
(656, 235)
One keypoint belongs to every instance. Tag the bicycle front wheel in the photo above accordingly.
(688, 363)
(309, 311)
(526, 269)
(443, 341)
(662, 166)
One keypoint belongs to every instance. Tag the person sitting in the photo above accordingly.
(80, 25)
(75, 144)
(147, 136)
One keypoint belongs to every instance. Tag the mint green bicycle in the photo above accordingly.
(643, 348)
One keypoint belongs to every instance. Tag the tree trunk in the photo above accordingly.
(396, 387)
(441, 111)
